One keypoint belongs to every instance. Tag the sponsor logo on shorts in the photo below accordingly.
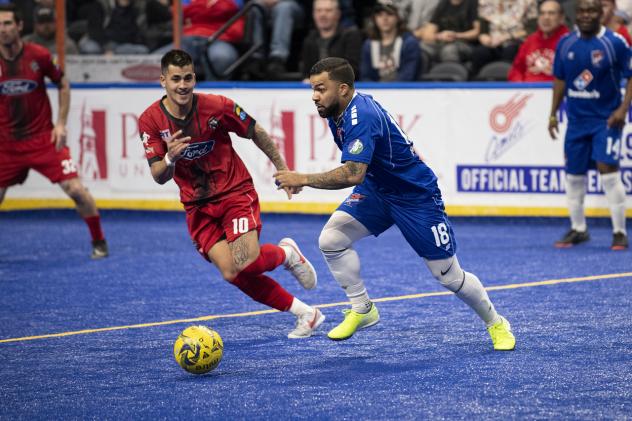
(354, 199)
(17, 87)
(198, 150)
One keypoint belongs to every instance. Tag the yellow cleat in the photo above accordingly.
(501, 335)
(352, 322)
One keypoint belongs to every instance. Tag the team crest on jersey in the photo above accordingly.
(198, 149)
(354, 199)
(582, 81)
(34, 66)
(596, 56)
(571, 55)
(239, 112)
(165, 134)
(212, 123)
(356, 147)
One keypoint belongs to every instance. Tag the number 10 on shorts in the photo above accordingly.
(240, 225)
(441, 235)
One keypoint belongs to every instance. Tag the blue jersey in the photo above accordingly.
(592, 69)
(367, 133)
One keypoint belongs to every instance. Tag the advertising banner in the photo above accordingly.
(490, 148)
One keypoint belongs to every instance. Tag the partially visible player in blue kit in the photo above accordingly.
(589, 66)
(392, 187)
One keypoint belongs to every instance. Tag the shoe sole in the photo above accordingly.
(618, 248)
(291, 243)
(319, 322)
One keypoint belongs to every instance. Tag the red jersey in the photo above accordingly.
(209, 169)
(25, 109)
(534, 61)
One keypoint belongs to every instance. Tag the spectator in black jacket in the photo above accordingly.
(122, 32)
(330, 38)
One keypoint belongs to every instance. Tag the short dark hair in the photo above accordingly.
(10, 7)
(338, 68)
(178, 58)
(561, 8)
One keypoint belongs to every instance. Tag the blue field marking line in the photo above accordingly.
(337, 304)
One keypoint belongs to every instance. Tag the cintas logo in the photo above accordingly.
(508, 128)
(92, 144)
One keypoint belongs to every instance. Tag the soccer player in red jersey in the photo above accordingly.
(28, 138)
(186, 137)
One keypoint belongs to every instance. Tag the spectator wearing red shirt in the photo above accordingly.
(202, 18)
(612, 22)
(534, 61)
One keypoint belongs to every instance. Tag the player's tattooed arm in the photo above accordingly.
(266, 144)
(347, 175)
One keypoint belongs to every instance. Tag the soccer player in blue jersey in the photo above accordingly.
(589, 65)
(393, 186)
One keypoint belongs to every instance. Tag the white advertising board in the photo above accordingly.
(489, 147)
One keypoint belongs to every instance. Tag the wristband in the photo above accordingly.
(552, 118)
(168, 161)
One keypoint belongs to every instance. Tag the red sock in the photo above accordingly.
(264, 290)
(94, 225)
(270, 257)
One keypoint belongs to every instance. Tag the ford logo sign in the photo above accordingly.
(17, 87)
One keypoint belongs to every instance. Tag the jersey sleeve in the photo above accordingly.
(236, 120)
(558, 67)
(49, 67)
(359, 141)
(155, 147)
(624, 58)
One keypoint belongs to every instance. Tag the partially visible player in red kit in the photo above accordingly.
(28, 138)
(186, 137)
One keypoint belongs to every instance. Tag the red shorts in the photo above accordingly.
(17, 158)
(228, 218)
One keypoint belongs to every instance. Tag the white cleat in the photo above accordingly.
(306, 324)
(298, 265)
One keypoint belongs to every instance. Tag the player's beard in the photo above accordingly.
(331, 111)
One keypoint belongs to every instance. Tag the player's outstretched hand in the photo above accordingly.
(617, 118)
(176, 144)
(553, 127)
(290, 181)
(58, 136)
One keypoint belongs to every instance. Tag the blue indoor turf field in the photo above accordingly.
(428, 358)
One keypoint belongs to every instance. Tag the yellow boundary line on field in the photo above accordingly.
(318, 208)
(377, 300)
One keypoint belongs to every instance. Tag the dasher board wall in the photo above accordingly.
(488, 144)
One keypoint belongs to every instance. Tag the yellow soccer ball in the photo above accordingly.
(198, 349)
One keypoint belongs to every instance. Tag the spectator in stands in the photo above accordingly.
(202, 18)
(330, 38)
(612, 21)
(534, 61)
(158, 17)
(122, 31)
(281, 17)
(504, 25)
(85, 21)
(416, 13)
(44, 32)
(391, 53)
(451, 33)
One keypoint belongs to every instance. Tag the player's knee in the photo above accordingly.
(448, 272)
(74, 189)
(229, 274)
(331, 240)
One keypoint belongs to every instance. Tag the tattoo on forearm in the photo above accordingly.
(263, 142)
(338, 178)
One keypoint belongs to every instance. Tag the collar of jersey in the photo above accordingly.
(342, 116)
(178, 121)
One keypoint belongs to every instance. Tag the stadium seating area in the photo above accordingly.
(271, 39)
